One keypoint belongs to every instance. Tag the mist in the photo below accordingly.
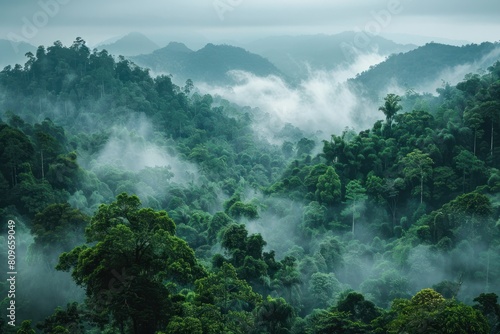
(135, 146)
(454, 75)
(322, 104)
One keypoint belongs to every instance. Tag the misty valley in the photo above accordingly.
(283, 188)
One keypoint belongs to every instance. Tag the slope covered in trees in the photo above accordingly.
(209, 64)
(296, 56)
(419, 68)
(145, 207)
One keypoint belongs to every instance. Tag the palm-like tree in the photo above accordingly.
(391, 107)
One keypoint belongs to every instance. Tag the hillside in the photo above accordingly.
(292, 54)
(424, 68)
(132, 205)
(209, 64)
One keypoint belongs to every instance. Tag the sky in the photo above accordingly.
(197, 22)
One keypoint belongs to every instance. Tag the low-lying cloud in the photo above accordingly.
(133, 148)
(454, 75)
(323, 102)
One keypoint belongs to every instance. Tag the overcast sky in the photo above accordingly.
(197, 22)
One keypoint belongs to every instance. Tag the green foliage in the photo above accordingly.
(391, 107)
(134, 250)
(328, 187)
(323, 288)
(26, 328)
(225, 290)
(358, 308)
(417, 165)
(138, 269)
(187, 325)
(428, 311)
(325, 322)
(69, 321)
(57, 227)
(273, 316)
(355, 194)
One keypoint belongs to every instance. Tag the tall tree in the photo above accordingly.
(132, 251)
(226, 291)
(417, 164)
(356, 195)
(328, 187)
(391, 107)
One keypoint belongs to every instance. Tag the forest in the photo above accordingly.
(141, 206)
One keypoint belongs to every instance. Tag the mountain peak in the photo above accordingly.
(132, 44)
(177, 47)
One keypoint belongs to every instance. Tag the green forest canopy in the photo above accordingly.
(386, 230)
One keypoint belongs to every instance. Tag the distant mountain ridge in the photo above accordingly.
(132, 44)
(12, 53)
(209, 64)
(292, 54)
(427, 64)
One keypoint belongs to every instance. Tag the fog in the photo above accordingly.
(39, 287)
(323, 103)
(135, 147)
(454, 75)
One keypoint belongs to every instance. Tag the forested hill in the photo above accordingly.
(422, 68)
(144, 207)
(209, 64)
(296, 56)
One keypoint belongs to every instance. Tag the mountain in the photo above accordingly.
(12, 53)
(424, 68)
(209, 64)
(132, 44)
(422, 40)
(293, 54)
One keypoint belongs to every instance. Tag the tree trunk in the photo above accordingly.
(487, 287)
(41, 156)
(353, 204)
(475, 135)
(421, 188)
(463, 182)
(491, 144)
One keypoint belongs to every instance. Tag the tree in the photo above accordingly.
(185, 325)
(358, 308)
(304, 146)
(226, 291)
(322, 288)
(429, 312)
(15, 150)
(132, 251)
(26, 328)
(332, 321)
(218, 221)
(468, 164)
(328, 187)
(68, 319)
(234, 239)
(288, 277)
(273, 316)
(391, 107)
(355, 194)
(57, 227)
(487, 304)
(417, 164)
